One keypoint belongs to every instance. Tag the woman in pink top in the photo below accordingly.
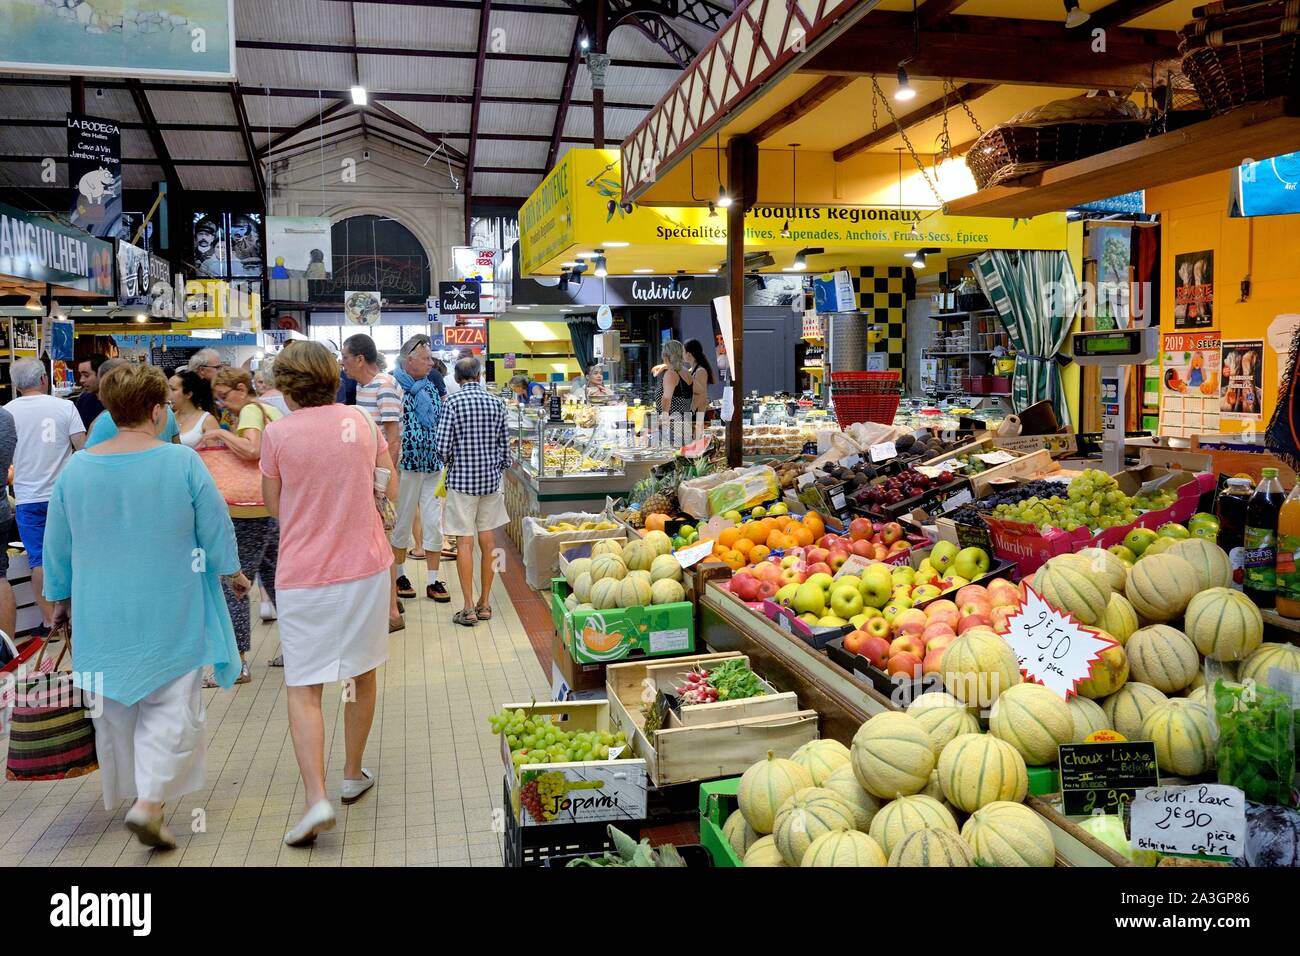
(318, 468)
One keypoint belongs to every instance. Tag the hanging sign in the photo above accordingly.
(95, 173)
(1053, 648)
(458, 298)
(464, 336)
(1105, 776)
(604, 318)
(1201, 820)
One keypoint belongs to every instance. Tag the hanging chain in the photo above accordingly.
(875, 122)
(908, 143)
(974, 122)
(945, 140)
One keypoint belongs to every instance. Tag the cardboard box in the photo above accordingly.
(1059, 445)
(1176, 460)
(595, 637)
(541, 548)
(571, 680)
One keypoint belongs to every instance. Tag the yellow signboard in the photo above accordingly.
(215, 304)
(582, 212)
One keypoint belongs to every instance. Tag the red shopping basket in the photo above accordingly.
(865, 396)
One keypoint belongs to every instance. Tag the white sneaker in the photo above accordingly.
(268, 611)
(318, 819)
(353, 789)
(151, 831)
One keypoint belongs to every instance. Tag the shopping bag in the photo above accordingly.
(51, 735)
(441, 490)
(238, 479)
(15, 665)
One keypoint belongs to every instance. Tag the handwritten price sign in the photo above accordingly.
(1200, 820)
(1053, 648)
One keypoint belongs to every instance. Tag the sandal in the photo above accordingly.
(465, 618)
(209, 682)
(276, 661)
(244, 675)
(396, 625)
(419, 555)
(483, 612)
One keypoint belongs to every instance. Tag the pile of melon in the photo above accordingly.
(622, 574)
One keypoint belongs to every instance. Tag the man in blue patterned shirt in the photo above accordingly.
(472, 440)
(420, 465)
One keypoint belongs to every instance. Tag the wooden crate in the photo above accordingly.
(708, 740)
(1023, 466)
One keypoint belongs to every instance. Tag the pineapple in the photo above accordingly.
(659, 504)
(634, 518)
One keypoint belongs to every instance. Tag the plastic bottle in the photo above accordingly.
(1231, 512)
(1288, 551)
(1260, 581)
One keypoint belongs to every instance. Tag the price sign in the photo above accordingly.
(462, 336)
(996, 457)
(962, 497)
(853, 566)
(694, 554)
(838, 501)
(934, 471)
(850, 460)
(1201, 820)
(1105, 776)
(804, 480)
(1054, 649)
(883, 452)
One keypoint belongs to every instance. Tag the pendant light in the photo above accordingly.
(724, 200)
(1074, 17)
(794, 187)
(905, 91)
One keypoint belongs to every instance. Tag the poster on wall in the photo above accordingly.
(1194, 290)
(133, 38)
(1241, 389)
(1109, 246)
(26, 334)
(208, 233)
(95, 174)
(298, 247)
(132, 274)
(1189, 384)
(361, 308)
(227, 245)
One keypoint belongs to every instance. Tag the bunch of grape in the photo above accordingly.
(1154, 500)
(536, 739)
(1093, 500)
(530, 799)
(1038, 488)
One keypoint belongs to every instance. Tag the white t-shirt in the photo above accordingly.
(45, 426)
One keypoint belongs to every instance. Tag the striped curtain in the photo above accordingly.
(1035, 295)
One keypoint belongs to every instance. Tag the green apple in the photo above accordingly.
(732, 516)
(950, 582)
(942, 555)
(971, 563)
(1138, 540)
(858, 620)
(876, 589)
(1159, 546)
(679, 542)
(809, 598)
(925, 592)
(786, 594)
(830, 620)
(1204, 525)
(924, 568)
(810, 619)
(871, 612)
(903, 575)
(892, 609)
(1123, 553)
(1173, 530)
(822, 580)
(846, 600)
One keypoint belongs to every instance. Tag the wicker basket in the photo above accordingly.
(1239, 55)
(1010, 151)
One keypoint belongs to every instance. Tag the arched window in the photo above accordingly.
(375, 252)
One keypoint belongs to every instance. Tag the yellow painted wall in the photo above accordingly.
(1071, 375)
(504, 335)
(1194, 217)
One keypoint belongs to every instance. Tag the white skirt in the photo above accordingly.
(331, 633)
(154, 749)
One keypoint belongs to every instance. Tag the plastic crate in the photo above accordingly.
(693, 854)
(533, 846)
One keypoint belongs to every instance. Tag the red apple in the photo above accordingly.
(935, 629)
(1002, 618)
(829, 541)
(933, 662)
(792, 576)
(880, 552)
(854, 641)
(980, 607)
(863, 548)
(860, 529)
(875, 650)
(986, 631)
(820, 567)
(816, 555)
(1003, 593)
(891, 532)
(972, 621)
(766, 571)
(939, 643)
(898, 547)
(745, 586)
(943, 611)
(973, 592)
(909, 621)
(907, 644)
(766, 590)
(878, 628)
(907, 665)
(837, 559)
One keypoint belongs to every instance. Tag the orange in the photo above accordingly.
(759, 553)
(801, 535)
(655, 522)
(813, 522)
(734, 560)
(729, 537)
(756, 532)
(775, 539)
(784, 522)
(744, 546)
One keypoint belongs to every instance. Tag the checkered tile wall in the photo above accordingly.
(884, 290)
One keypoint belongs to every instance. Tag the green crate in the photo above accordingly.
(1043, 781)
(717, 802)
(659, 630)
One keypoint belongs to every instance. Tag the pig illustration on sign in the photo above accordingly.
(97, 184)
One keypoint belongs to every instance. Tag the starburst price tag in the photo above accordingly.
(1053, 648)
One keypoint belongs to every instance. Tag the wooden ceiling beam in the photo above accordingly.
(250, 148)
(824, 89)
(934, 12)
(967, 92)
(1122, 11)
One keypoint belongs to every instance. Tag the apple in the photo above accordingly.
(943, 554)
(926, 576)
(933, 663)
(940, 642)
(1124, 554)
(860, 529)
(846, 600)
(876, 589)
(976, 608)
(820, 567)
(903, 574)
(897, 547)
(786, 594)
(1003, 593)
(837, 559)
(854, 641)
(935, 629)
(953, 582)
(858, 620)
(793, 576)
(863, 548)
(896, 605)
(891, 532)
(816, 555)
(880, 552)
(766, 590)
(971, 563)
(945, 611)
(791, 560)
(1138, 540)
(1002, 618)
(974, 621)
(810, 599)
(973, 592)
(905, 665)
(744, 586)
(876, 648)
(766, 571)
(830, 620)
(810, 619)
(907, 644)
(909, 621)
(986, 631)
(829, 541)
(870, 612)
(925, 592)
(822, 579)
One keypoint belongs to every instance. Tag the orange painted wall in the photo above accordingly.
(1194, 217)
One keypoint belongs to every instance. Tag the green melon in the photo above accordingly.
(763, 852)
(1265, 658)
(892, 755)
(932, 847)
(978, 769)
(844, 848)
(1009, 834)
(864, 806)
(1224, 624)
(945, 723)
(1034, 720)
(576, 567)
(804, 817)
(905, 815)
(1213, 569)
(1182, 735)
(1088, 717)
(1163, 657)
(1070, 586)
(821, 758)
(608, 567)
(765, 786)
(739, 833)
(1128, 707)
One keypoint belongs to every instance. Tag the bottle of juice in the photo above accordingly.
(1260, 583)
(1288, 551)
(1231, 512)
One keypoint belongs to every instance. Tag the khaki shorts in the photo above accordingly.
(469, 514)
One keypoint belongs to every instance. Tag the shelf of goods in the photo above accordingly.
(845, 701)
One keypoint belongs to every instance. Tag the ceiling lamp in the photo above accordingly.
(617, 245)
(600, 270)
(800, 262)
(358, 95)
(785, 230)
(794, 187)
(723, 199)
(141, 317)
(713, 212)
(1074, 17)
(34, 303)
(918, 259)
(904, 91)
(584, 43)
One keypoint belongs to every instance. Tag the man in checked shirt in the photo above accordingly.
(472, 440)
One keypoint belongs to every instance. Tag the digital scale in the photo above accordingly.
(1112, 351)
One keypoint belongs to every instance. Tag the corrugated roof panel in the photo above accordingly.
(618, 124)
(436, 118)
(191, 144)
(136, 142)
(631, 44)
(297, 21)
(406, 74)
(217, 178)
(504, 184)
(311, 135)
(310, 71)
(282, 110)
(143, 177)
(626, 84)
(515, 118)
(401, 25)
(38, 141)
(532, 33)
(492, 152)
(187, 106)
(516, 78)
(53, 102)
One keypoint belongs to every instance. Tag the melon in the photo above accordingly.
(905, 815)
(892, 755)
(666, 592)
(1120, 620)
(1009, 834)
(610, 546)
(633, 592)
(605, 594)
(1072, 586)
(1267, 657)
(608, 567)
(763, 852)
(821, 758)
(1128, 707)
(1088, 718)
(810, 813)
(978, 769)
(1034, 720)
(585, 607)
(571, 602)
(844, 848)
(1210, 671)
(1224, 624)
(864, 806)
(1160, 590)
(1213, 570)
(932, 698)
(1109, 567)
(1201, 695)
(1182, 735)
(641, 576)
(582, 587)
(979, 666)
(638, 555)
(934, 846)
(765, 786)
(945, 723)
(665, 568)
(739, 833)
(576, 567)
(1163, 657)
(1108, 674)
(660, 543)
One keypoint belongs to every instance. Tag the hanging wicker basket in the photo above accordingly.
(1238, 52)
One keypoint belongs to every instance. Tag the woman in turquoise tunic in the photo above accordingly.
(137, 541)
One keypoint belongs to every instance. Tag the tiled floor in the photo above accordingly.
(438, 767)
